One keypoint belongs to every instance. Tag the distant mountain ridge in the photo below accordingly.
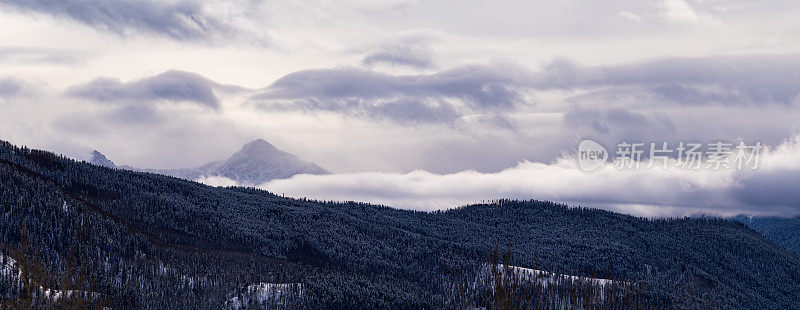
(257, 162)
(783, 231)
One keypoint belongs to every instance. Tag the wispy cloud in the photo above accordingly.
(183, 20)
(172, 85)
(31, 55)
(412, 53)
(440, 97)
(744, 79)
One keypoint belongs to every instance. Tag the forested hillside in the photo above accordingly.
(74, 233)
(784, 231)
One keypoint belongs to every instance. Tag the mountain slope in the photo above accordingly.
(784, 231)
(256, 163)
(101, 160)
(147, 240)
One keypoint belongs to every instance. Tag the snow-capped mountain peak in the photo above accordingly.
(259, 161)
(258, 145)
(100, 160)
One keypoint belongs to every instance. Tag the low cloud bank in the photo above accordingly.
(768, 190)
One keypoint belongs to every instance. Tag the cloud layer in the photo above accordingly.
(744, 79)
(768, 190)
(440, 97)
(750, 81)
(172, 85)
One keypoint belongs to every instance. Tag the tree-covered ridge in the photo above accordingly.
(145, 240)
(784, 231)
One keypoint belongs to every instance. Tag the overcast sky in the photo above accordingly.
(423, 97)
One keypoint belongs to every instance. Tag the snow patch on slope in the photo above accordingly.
(276, 294)
(546, 277)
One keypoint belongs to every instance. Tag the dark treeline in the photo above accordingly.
(75, 234)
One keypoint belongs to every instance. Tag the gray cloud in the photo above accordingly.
(680, 99)
(412, 53)
(10, 87)
(751, 80)
(172, 85)
(439, 97)
(632, 125)
(773, 189)
(16, 88)
(748, 79)
(180, 20)
(175, 138)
